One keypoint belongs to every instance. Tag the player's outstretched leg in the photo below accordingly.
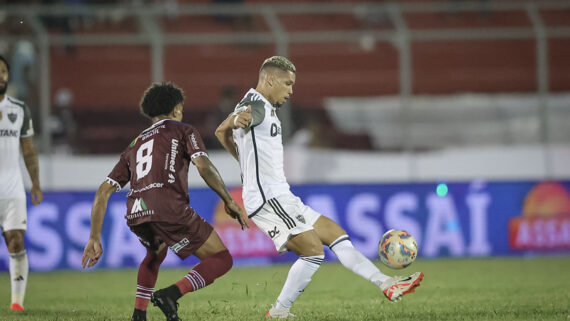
(201, 275)
(146, 279)
(397, 286)
(355, 261)
(335, 237)
(392, 287)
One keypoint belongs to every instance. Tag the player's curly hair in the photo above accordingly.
(6, 62)
(160, 99)
(278, 62)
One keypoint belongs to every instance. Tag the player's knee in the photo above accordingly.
(314, 252)
(306, 244)
(158, 258)
(226, 260)
(219, 263)
(312, 249)
(161, 255)
(15, 242)
(154, 259)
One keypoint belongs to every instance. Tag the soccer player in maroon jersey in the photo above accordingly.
(156, 165)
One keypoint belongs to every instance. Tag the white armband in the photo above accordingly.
(113, 182)
(197, 154)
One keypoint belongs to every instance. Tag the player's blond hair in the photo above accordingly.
(278, 62)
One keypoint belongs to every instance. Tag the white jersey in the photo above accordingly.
(260, 150)
(15, 123)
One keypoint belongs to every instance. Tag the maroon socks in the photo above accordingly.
(146, 279)
(205, 272)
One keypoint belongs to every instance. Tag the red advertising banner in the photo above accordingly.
(544, 223)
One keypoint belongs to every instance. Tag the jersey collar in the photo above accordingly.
(154, 125)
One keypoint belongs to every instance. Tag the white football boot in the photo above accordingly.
(279, 313)
(397, 286)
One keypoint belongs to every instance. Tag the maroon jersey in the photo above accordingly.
(156, 165)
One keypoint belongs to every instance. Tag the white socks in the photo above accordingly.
(18, 276)
(298, 278)
(355, 261)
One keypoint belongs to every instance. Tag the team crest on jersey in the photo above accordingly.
(12, 117)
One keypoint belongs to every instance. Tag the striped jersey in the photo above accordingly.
(15, 123)
(260, 150)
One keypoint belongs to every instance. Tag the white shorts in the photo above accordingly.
(284, 216)
(13, 214)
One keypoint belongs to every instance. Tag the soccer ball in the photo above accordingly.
(397, 249)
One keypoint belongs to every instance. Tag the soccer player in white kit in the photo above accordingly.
(252, 134)
(16, 131)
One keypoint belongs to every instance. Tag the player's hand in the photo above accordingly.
(241, 119)
(235, 211)
(36, 195)
(91, 254)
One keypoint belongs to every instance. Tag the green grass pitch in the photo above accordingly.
(453, 289)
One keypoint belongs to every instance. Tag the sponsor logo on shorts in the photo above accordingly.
(273, 233)
(180, 245)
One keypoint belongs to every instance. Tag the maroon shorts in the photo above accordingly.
(183, 239)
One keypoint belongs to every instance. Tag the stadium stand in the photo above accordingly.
(113, 77)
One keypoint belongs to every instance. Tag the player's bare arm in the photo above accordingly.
(224, 135)
(211, 176)
(234, 121)
(93, 249)
(31, 160)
